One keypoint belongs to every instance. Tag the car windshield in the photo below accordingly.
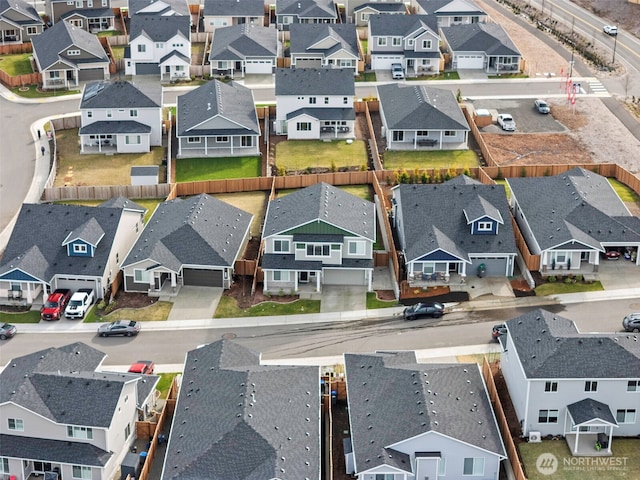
(50, 304)
(75, 303)
(6, 326)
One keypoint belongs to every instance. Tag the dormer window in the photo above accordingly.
(485, 226)
(73, 53)
(79, 248)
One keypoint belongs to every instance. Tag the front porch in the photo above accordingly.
(167, 289)
(426, 145)
(213, 152)
(584, 445)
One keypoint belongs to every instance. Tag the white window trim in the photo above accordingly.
(18, 424)
(141, 276)
(361, 247)
(80, 248)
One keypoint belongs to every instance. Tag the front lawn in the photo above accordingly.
(440, 76)
(418, 159)
(32, 316)
(374, 303)
(296, 155)
(16, 64)
(560, 287)
(33, 91)
(228, 308)
(157, 312)
(197, 169)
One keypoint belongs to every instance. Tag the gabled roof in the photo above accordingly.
(549, 346)
(307, 8)
(234, 8)
(489, 38)
(236, 418)
(575, 205)
(230, 101)
(401, 25)
(90, 232)
(392, 399)
(58, 451)
(89, 13)
(383, 7)
(427, 226)
(159, 7)
(419, 107)
(321, 203)
(118, 94)
(449, 8)
(588, 409)
(54, 41)
(315, 81)
(21, 7)
(114, 127)
(200, 230)
(124, 203)
(159, 28)
(307, 38)
(241, 41)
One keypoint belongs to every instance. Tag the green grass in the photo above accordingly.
(197, 49)
(502, 76)
(374, 303)
(34, 92)
(164, 384)
(440, 76)
(410, 160)
(252, 202)
(624, 192)
(32, 316)
(149, 203)
(623, 465)
(557, 288)
(301, 154)
(365, 45)
(366, 77)
(157, 312)
(507, 190)
(109, 33)
(17, 64)
(118, 51)
(228, 308)
(197, 169)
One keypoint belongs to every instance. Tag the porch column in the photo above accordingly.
(81, 144)
(370, 275)
(173, 279)
(318, 281)
(543, 263)
(295, 281)
(231, 140)
(265, 286)
(179, 147)
(415, 139)
(575, 443)
(206, 144)
(29, 298)
(610, 441)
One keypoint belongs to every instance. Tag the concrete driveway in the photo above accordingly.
(618, 274)
(343, 298)
(195, 303)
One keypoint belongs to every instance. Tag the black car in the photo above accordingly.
(427, 309)
(499, 329)
(119, 327)
(631, 323)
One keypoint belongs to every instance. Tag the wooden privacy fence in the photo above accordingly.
(105, 192)
(486, 153)
(531, 261)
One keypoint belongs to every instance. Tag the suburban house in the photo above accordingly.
(159, 7)
(66, 55)
(238, 418)
(240, 50)
(68, 246)
(319, 235)
(19, 22)
(453, 228)
(159, 45)
(62, 415)
(410, 40)
(315, 103)
(225, 13)
(289, 12)
(116, 117)
(217, 119)
(417, 117)
(324, 45)
(573, 218)
(194, 241)
(363, 11)
(419, 420)
(480, 46)
(452, 12)
(96, 13)
(582, 386)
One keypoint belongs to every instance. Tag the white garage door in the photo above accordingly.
(259, 66)
(470, 62)
(383, 62)
(343, 277)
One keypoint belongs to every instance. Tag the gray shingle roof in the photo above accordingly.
(307, 8)
(321, 203)
(23, 8)
(159, 28)
(230, 101)
(324, 113)
(450, 7)
(549, 346)
(382, 7)
(489, 38)
(89, 13)
(200, 230)
(401, 25)
(392, 398)
(58, 451)
(159, 7)
(419, 107)
(145, 170)
(54, 41)
(589, 409)
(90, 232)
(238, 419)
(428, 226)
(124, 203)
(315, 81)
(577, 204)
(114, 127)
(115, 95)
(241, 41)
(234, 8)
(304, 38)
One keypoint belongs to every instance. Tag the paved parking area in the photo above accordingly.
(527, 118)
(195, 303)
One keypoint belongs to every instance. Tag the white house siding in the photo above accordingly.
(211, 22)
(125, 413)
(147, 116)
(153, 54)
(289, 103)
(514, 377)
(129, 275)
(132, 147)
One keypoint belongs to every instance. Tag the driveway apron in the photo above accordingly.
(195, 303)
(343, 298)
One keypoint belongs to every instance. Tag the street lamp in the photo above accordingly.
(615, 43)
(571, 64)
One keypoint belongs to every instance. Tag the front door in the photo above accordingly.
(303, 277)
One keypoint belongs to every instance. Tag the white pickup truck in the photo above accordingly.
(79, 304)
(506, 122)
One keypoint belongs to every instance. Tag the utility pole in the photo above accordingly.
(615, 44)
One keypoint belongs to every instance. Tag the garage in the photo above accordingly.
(91, 74)
(344, 277)
(74, 284)
(258, 66)
(470, 62)
(147, 69)
(202, 278)
(495, 267)
(383, 62)
(308, 63)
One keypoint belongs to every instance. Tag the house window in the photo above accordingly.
(398, 136)
(177, 45)
(364, 17)
(105, 3)
(551, 386)
(32, 30)
(633, 386)
(79, 248)
(89, 114)
(85, 433)
(410, 43)
(246, 141)
(422, 133)
(133, 112)
(4, 465)
(159, 45)
(287, 20)
(442, 467)
(484, 226)
(78, 3)
(312, 100)
(81, 472)
(449, 133)
(193, 139)
(281, 246)
(179, 68)
(16, 424)
(109, 113)
(426, 44)
(73, 53)
(281, 276)
(89, 3)
(561, 257)
(142, 48)
(55, 74)
(70, 3)
(473, 466)
(132, 140)
(356, 247)
(303, 126)
(396, 41)
(626, 416)
(385, 476)
(141, 276)
(222, 139)
(590, 386)
(317, 250)
(428, 267)
(345, 100)
(127, 431)
(382, 41)
(457, 19)
(548, 416)
(326, 100)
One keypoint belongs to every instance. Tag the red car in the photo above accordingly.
(146, 367)
(53, 308)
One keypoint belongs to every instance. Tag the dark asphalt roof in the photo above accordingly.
(589, 409)
(159, 28)
(118, 94)
(145, 170)
(58, 451)
(401, 25)
(442, 8)
(281, 261)
(23, 8)
(114, 127)
(324, 113)
(159, 7)
(307, 8)
(89, 13)
(315, 81)
(234, 8)
(323, 38)
(489, 38)
(241, 41)
(382, 7)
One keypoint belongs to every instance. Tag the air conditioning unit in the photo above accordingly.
(535, 437)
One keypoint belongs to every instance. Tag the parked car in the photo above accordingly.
(610, 30)
(146, 367)
(119, 327)
(542, 106)
(424, 309)
(79, 304)
(7, 331)
(397, 73)
(498, 330)
(631, 323)
(506, 122)
(56, 302)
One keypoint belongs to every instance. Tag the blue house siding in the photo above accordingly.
(73, 253)
(475, 227)
(19, 276)
(438, 256)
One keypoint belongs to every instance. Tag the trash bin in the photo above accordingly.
(143, 457)
(482, 270)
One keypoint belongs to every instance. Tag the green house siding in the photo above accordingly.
(318, 228)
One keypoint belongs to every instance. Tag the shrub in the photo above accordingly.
(579, 278)
(552, 279)
(568, 280)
